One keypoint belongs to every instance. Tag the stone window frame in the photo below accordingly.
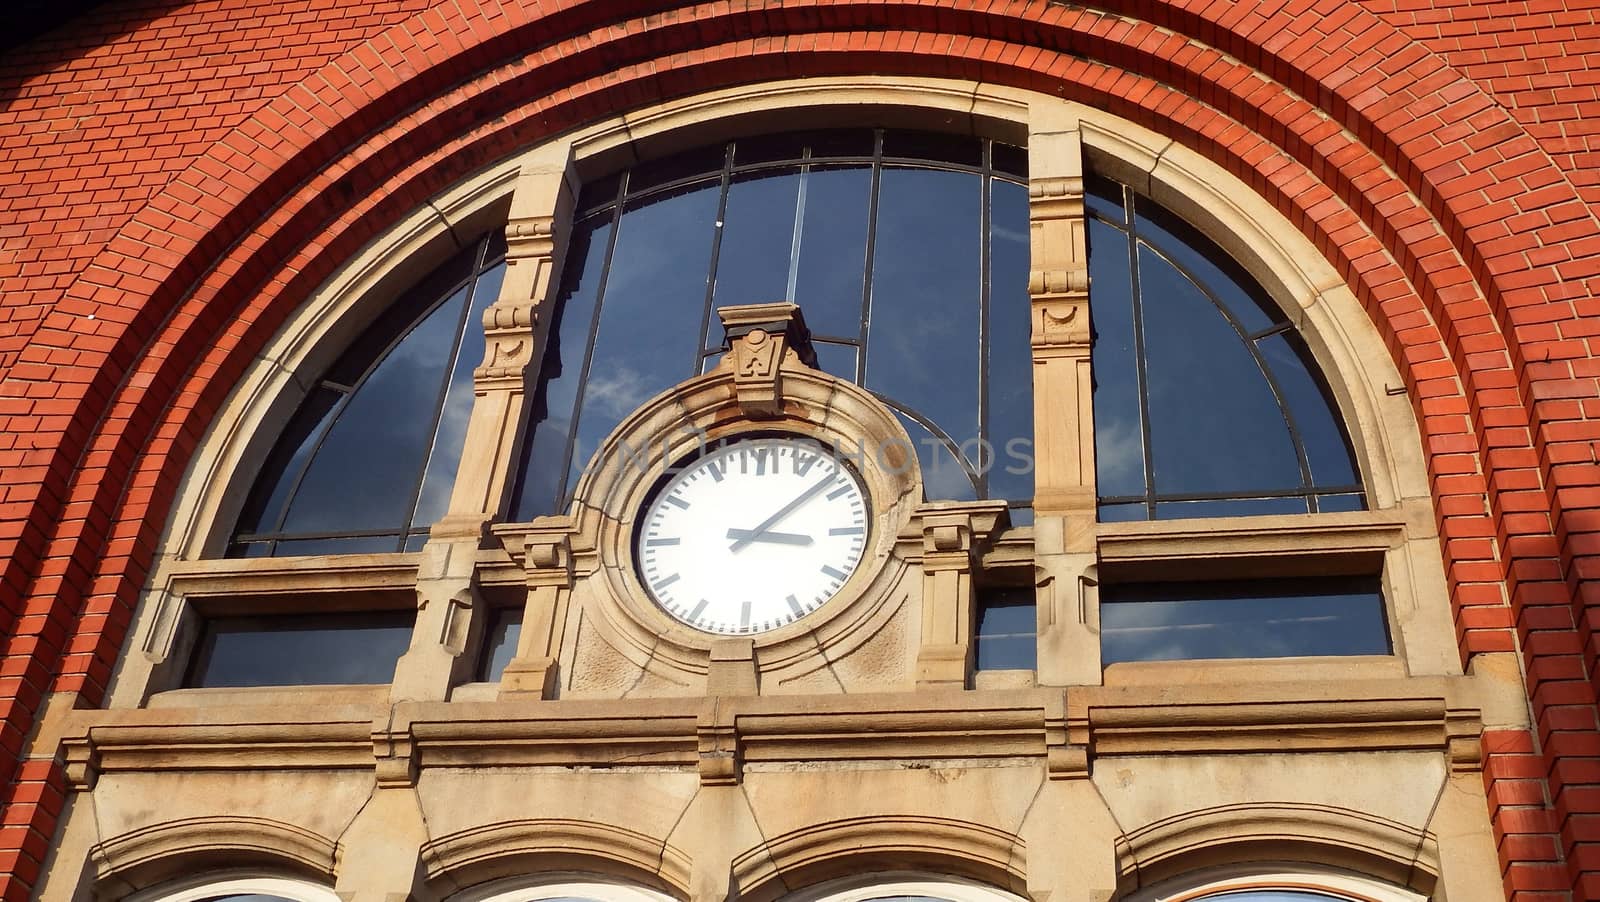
(210, 886)
(1211, 883)
(1068, 551)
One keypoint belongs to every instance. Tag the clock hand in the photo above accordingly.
(785, 511)
(777, 538)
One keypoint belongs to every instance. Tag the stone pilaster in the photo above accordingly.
(953, 536)
(1064, 488)
(547, 560)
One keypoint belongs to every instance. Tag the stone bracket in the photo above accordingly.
(717, 743)
(1066, 738)
(953, 536)
(763, 340)
(548, 566)
(1463, 731)
(394, 750)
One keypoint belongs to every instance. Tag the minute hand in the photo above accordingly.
(784, 511)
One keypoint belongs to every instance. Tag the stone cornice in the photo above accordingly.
(1066, 730)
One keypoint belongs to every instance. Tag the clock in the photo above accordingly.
(752, 535)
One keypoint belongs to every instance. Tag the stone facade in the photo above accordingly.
(1417, 201)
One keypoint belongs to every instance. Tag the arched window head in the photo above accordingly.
(368, 461)
(907, 253)
(1206, 402)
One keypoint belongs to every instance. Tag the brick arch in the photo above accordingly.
(213, 264)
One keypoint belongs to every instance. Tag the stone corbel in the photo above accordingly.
(394, 750)
(548, 567)
(717, 740)
(1066, 737)
(954, 535)
(81, 761)
(762, 341)
(1463, 730)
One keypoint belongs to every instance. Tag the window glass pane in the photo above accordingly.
(282, 469)
(1102, 197)
(351, 487)
(1272, 895)
(927, 258)
(649, 334)
(837, 360)
(445, 457)
(1007, 625)
(1123, 513)
(690, 163)
(1345, 502)
(1008, 160)
(245, 897)
(960, 149)
(1267, 618)
(1215, 425)
(338, 545)
(1010, 341)
(1118, 433)
(322, 649)
(1231, 507)
(757, 240)
(551, 414)
(500, 644)
(1234, 288)
(943, 476)
(833, 250)
(1315, 419)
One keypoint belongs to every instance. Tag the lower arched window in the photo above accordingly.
(519, 889)
(237, 889)
(1242, 885)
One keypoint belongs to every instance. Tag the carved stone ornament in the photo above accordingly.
(762, 341)
(764, 385)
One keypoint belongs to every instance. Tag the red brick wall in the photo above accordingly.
(175, 177)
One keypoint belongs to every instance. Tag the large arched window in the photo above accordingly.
(368, 461)
(1206, 403)
(907, 252)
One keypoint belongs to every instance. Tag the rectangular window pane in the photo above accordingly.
(301, 650)
(1264, 618)
(500, 643)
(1007, 627)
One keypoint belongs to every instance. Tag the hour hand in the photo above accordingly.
(742, 537)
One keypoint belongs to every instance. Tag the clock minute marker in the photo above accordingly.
(698, 609)
(668, 581)
(794, 605)
(833, 573)
(675, 501)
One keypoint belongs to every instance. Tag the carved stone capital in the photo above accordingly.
(953, 535)
(1061, 321)
(762, 340)
(532, 236)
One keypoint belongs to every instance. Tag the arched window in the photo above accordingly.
(554, 888)
(907, 252)
(1206, 403)
(1243, 884)
(368, 461)
(237, 889)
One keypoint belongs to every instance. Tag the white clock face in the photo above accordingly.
(753, 535)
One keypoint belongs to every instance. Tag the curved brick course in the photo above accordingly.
(1460, 222)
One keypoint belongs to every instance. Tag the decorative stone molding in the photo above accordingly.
(907, 842)
(547, 561)
(1280, 831)
(763, 340)
(953, 537)
(717, 738)
(535, 845)
(1066, 732)
(614, 608)
(150, 855)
